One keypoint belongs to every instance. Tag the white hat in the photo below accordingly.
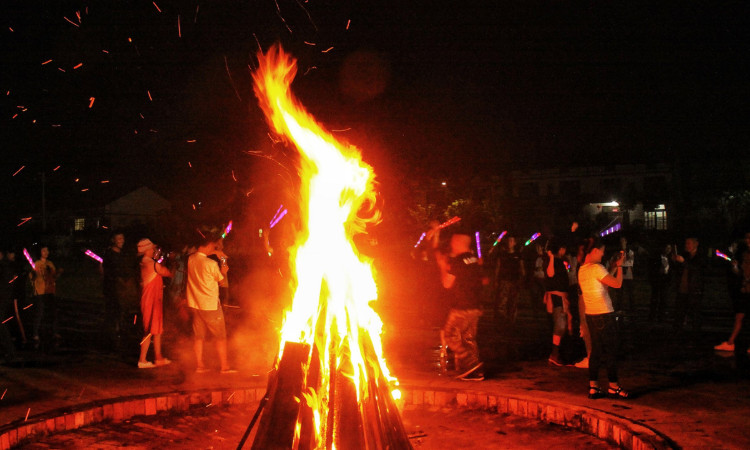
(144, 245)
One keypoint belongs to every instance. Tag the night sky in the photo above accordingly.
(163, 92)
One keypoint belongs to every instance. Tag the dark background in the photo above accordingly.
(425, 89)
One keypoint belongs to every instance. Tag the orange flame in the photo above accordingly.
(334, 283)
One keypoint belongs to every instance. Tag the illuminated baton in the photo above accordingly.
(500, 238)
(277, 219)
(93, 255)
(449, 222)
(722, 256)
(421, 238)
(479, 245)
(533, 238)
(227, 230)
(277, 212)
(28, 258)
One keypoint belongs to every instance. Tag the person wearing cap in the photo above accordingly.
(152, 297)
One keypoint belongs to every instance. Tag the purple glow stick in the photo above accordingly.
(278, 219)
(479, 245)
(277, 213)
(93, 255)
(420, 239)
(28, 258)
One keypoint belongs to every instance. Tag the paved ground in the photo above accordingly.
(697, 397)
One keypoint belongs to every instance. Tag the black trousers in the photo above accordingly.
(605, 341)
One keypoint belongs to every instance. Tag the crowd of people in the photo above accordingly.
(132, 279)
(585, 286)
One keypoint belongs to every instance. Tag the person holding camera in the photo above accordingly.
(600, 317)
(203, 278)
(152, 303)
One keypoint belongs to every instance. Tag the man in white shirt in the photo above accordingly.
(203, 277)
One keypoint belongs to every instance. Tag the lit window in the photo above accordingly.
(79, 224)
(656, 220)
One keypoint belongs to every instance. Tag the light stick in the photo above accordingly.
(500, 238)
(277, 219)
(533, 238)
(479, 245)
(449, 222)
(227, 230)
(93, 255)
(722, 256)
(421, 238)
(28, 258)
(610, 230)
(276, 214)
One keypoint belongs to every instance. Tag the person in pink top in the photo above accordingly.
(595, 281)
(152, 296)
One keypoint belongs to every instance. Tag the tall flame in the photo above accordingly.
(334, 283)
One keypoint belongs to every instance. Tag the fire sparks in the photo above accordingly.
(334, 283)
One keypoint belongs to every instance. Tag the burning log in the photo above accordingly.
(277, 427)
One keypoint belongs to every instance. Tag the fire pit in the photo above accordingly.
(220, 427)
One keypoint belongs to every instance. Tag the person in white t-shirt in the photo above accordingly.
(594, 281)
(203, 278)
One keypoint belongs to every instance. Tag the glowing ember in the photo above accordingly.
(334, 283)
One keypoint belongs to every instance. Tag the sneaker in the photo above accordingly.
(146, 365)
(724, 347)
(476, 367)
(201, 370)
(583, 364)
(163, 362)
(228, 371)
(555, 360)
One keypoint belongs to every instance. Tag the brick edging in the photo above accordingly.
(607, 426)
(118, 409)
(610, 427)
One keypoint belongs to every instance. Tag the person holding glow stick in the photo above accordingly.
(739, 291)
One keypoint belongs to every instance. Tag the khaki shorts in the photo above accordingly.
(208, 323)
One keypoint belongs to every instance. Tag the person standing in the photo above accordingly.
(116, 283)
(152, 304)
(556, 297)
(203, 278)
(600, 318)
(625, 295)
(509, 272)
(7, 348)
(43, 281)
(462, 276)
(660, 274)
(739, 291)
(690, 267)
